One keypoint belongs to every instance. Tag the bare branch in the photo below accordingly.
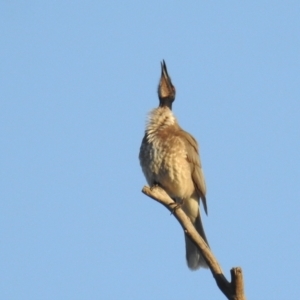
(233, 290)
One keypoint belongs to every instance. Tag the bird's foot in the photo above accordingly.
(175, 205)
(154, 185)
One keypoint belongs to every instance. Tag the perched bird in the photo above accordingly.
(169, 157)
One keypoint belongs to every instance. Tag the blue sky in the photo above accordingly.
(77, 81)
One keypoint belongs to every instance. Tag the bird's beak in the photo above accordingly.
(164, 71)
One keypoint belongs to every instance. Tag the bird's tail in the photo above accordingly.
(194, 259)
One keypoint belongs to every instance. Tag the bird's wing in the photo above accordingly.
(194, 159)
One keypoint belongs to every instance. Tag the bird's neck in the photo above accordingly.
(166, 102)
(159, 119)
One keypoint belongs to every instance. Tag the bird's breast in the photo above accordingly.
(163, 160)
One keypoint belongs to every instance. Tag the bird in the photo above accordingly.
(169, 157)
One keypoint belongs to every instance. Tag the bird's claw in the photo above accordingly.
(154, 185)
(174, 206)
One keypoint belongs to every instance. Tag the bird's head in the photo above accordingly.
(166, 90)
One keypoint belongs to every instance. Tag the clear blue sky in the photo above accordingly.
(77, 81)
